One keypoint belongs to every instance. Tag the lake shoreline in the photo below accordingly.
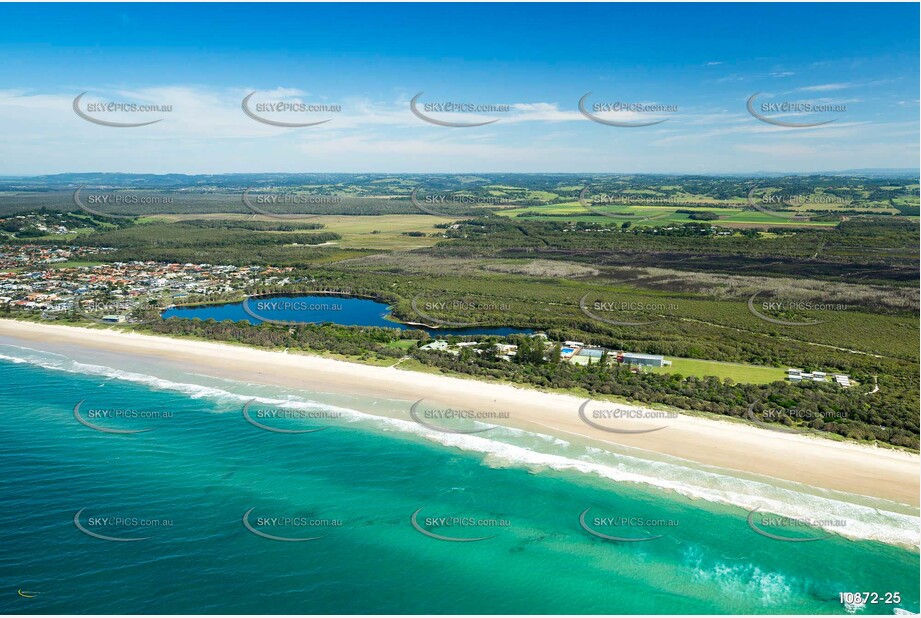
(356, 310)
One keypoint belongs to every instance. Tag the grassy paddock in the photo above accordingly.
(379, 232)
(737, 372)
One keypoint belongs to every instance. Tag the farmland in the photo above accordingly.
(731, 294)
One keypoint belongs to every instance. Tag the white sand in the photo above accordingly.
(815, 461)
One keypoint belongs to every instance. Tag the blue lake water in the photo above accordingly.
(319, 309)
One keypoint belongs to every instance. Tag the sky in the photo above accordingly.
(693, 67)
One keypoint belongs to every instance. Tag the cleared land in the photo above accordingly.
(658, 215)
(380, 232)
(737, 372)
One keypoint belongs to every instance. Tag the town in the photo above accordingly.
(37, 279)
(32, 279)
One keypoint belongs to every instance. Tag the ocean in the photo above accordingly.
(354, 508)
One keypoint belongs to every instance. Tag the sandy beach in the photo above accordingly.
(815, 461)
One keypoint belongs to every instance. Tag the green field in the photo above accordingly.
(737, 372)
(542, 259)
(657, 215)
(381, 232)
(384, 232)
(402, 344)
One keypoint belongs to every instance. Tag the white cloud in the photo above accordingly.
(207, 132)
(826, 87)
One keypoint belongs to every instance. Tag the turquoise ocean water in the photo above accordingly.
(184, 486)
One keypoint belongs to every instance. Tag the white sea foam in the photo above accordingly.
(879, 522)
(747, 581)
(852, 607)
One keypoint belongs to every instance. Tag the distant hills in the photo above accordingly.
(162, 181)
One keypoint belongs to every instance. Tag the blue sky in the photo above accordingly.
(702, 61)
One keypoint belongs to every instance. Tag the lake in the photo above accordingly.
(344, 311)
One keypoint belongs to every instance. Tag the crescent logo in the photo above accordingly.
(758, 314)
(275, 123)
(78, 308)
(107, 123)
(590, 423)
(259, 211)
(750, 415)
(26, 594)
(276, 430)
(272, 537)
(86, 423)
(444, 123)
(79, 204)
(776, 537)
(441, 537)
(608, 537)
(612, 123)
(415, 417)
(772, 427)
(102, 536)
(781, 123)
(754, 204)
(253, 314)
(587, 206)
(584, 308)
(428, 211)
(426, 316)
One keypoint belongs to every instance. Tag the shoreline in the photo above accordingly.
(818, 462)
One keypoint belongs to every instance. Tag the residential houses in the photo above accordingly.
(27, 282)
